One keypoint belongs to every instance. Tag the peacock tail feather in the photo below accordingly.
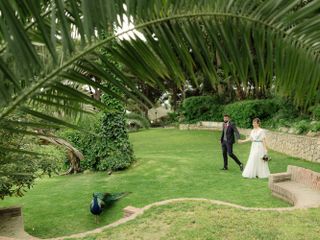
(115, 196)
(108, 198)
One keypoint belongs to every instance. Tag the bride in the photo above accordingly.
(256, 167)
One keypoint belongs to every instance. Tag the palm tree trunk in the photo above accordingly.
(74, 155)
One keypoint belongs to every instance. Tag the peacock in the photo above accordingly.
(101, 201)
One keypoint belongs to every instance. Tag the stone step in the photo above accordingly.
(304, 195)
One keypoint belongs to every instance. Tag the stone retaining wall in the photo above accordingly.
(11, 223)
(293, 145)
(304, 147)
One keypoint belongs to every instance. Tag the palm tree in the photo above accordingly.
(50, 47)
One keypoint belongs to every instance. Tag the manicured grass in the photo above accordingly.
(193, 220)
(170, 164)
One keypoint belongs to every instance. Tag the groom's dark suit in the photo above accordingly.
(229, 133)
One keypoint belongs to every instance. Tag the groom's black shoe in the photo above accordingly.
(224, 168)
(241, 167)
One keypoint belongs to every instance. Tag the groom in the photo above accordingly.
(229, 132)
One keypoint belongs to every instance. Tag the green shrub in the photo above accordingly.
(118, 152)
(316, 112)
(136, 121)
(302, 126)
(243, 112)
(315, 127)
(52, 158)
(201, 108)
(88, 144)
(105, 144)
(18, 176)
(26, 161)
(173, 117)
(287, 110)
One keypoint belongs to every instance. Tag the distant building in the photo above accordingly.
(157, 113)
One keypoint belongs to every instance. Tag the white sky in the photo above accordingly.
(125, 24)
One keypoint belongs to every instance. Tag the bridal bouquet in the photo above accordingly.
(266, 158)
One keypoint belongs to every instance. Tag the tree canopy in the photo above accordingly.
(49, 47)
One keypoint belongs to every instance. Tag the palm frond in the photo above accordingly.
(268, 41)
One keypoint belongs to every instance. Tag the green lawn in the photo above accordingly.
(193, 220)
(170, 164)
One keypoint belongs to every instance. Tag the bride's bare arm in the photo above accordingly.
(245, 140)
(265, 145)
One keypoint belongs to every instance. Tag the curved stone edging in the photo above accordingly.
(165, 202)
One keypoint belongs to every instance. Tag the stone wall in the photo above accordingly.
(201, 126)
(299, 146)
(11, 223)
(294, 145)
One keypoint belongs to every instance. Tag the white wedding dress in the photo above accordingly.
(256, 167)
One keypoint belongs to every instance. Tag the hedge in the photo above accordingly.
(243, 112)
(202, 108)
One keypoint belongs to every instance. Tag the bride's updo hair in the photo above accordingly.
(257, 120)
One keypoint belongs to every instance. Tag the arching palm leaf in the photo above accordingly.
(266, 41)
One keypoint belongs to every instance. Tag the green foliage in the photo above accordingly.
(51, 159)
(315, 127)
(243, 112)
(287, 111)
(18, 176)
(118, 153)
(167, 160)
(173, 118)
(201, 108)
(105, 144)
(33, 68)
(302, 126)
(88, 144)
(286, 115)
(274, 113)
(316, 112)
(135, 121)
